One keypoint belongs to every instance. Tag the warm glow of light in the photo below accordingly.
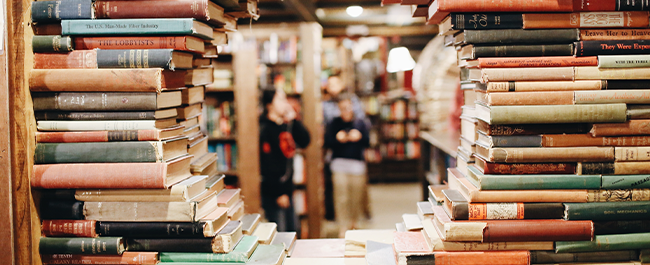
(354, 11)
(399, 59)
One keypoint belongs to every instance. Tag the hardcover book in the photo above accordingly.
(162, 26)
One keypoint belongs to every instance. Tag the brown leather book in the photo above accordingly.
(634, 19)
(530, 129)
(69, 228)
(203, 10)
(113, 80)
(631, 127)
(524, 168)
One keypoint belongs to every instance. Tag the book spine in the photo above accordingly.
(614, 34)
(639, 96)
(517, 141)
(527, 74)
(585, 113)
(63, 195)
(629, 195)
(151, 229)
(612, 47)
(462, 21)
(54, 11)
(100, 176)
(644, 255)
(552, 154)
(68, 245)
(631, 168)
(51, 43)
(128, 257)
(506, 5)
(523, 86)
(84, 59)
(545, 257)
(97, 116)
(576, 140)
(100, 152)
(62, 210)
(69, 228)
(458, 258)
(537, 230)
(141, 211)
(203, 257)
(637, 19)
(605, 243)
(621, 227)
(197, 9)
(528, 129)
(131, 42)
(94, 101)
(157, 58)
(97, 136)
(520, 36)
(607, 211)
(523, 50)
(531, 98)
(198, 245)
(508, 211)
(95, 125)
(557, 61)
(539, 182)
(632, 127)
(613, 5)
(127, 27)
(113, 80)
(529, 168)
(611, 182)
(528, 196)
(632, 154)
(623, 61)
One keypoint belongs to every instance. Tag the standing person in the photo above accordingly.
(347, 136)
(280, 133)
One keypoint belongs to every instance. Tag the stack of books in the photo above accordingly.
(121, 162)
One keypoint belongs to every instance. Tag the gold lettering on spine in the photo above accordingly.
(145, 58)
(131, 56)
(138, 58)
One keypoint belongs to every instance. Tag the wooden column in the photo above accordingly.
(311, 37)
(248, 133)
(6, 215)
(26, 223)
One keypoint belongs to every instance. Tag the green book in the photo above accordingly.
(608, 211)
(267, 255)
(626, 182)
(530, 182)
(157, 26)
(81, 245)
(240, 254)
(605, 243)
(110, 152)
(52, 43)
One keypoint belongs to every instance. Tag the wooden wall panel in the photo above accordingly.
(6, 215)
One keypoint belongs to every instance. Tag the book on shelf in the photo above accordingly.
(113, 80)
(81, 245)
(42, 11)
(69, 228)
(183, 191)
(151, 26)
(54, 209)
(203, 10)
(127, 257)
(109, 136)
(177, 43)
(127, 58)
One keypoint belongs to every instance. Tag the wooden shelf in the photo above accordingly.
(448, 143)
(222, 139)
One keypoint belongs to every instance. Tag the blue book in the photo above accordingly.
(158, 26)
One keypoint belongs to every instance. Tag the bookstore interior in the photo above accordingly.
(313, 132)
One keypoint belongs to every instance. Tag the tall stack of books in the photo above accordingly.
(121, 161)
(554, 164)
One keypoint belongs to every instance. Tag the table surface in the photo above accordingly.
(447, 142)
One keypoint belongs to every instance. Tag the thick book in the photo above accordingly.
(55, 11)
(113, 80)
(472, 52)
(69, 228)
(110, 152)
(524, 168)
(562, 140)
(127, 58)
(265, 232)
(61, 210)
(632, 127)
(615, 168)
(545, 155)
(547, 257)
(532, 182)
(520, 36)
(116, 27)
(621, 227)
(108, 136)
(511, 230)
(608, 211)
(547, 61)
(52, 43)
(199, 229)
(606, 243)
(185, 190)
(633, 19)
(623, 61)
(204, 10)
(250, 223)
(636, 96)
(581, 113)
(612, 47)
(178, 43)
(226, 239)
(505, 6)
(109, 125)
(530, 129)
(111, 101)
(626, 181)
(496, 257)
(111, 175)
(53, 115)
(469, 21)
(127, 257)
(614, 34)
(240, 254)
(458, 208)
(191, 211)
(81, 245)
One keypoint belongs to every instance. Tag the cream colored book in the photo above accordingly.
(180, 192)
(265, 232)
(355, 240)
(227, 238)
(236, 211)
(250, 222)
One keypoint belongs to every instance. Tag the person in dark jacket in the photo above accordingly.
(280, 134)
(347, 136)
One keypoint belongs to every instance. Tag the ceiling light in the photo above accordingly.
(320, 13)
(399, 59)
(354, 11)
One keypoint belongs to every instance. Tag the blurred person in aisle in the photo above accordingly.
(280, 134)
(347, 137)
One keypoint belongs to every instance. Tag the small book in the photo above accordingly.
(286, 239)
(241, 254)
(202, 165)
(265, 232)
(236, 211)
(192, 95)
(52, 44)
(56, 209)
(425, 210)
(228, 237)
(457, 208)
(228, 197)
(69, 228)
(250, 223)
(268, 255)
(412, 222)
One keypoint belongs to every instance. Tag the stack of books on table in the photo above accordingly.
(120, 159)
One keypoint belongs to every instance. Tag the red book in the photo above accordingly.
(524, 168)
(537, 230)
(69, 228)
(197, 9)
(180, 43)
(547, 61)
(126, 258)
(506, 5)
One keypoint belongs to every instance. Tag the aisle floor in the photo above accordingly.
(388, 201)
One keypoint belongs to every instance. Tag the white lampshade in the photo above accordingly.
(399, 59)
